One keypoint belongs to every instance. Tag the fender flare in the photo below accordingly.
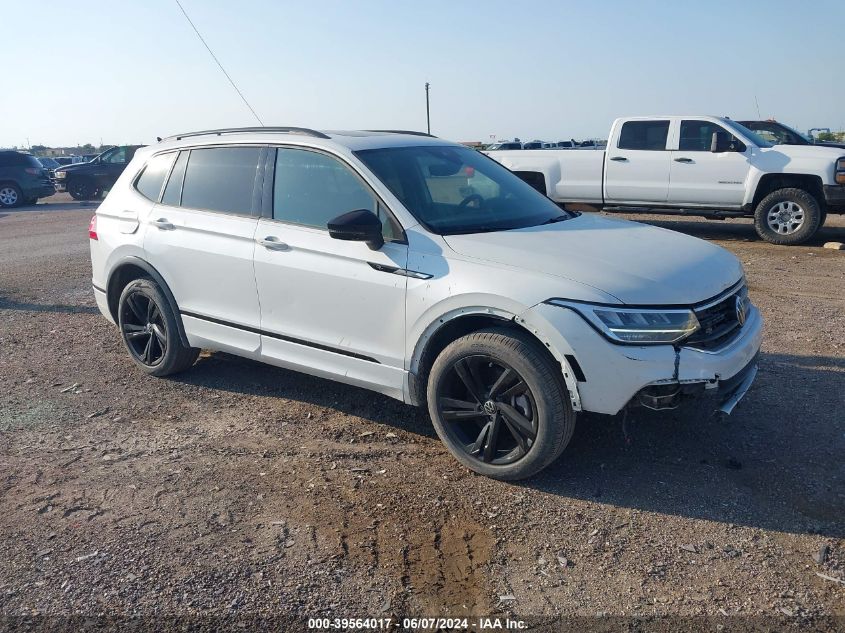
(496, 313)
(132, 260)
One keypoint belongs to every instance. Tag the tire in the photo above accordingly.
(10, 196)
(150, 331)
(530, 400)
(81, 189)
(788, 217)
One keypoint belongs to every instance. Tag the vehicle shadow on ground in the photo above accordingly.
(53, 205)
(239, 375)
(8, 304)
(775, 464)
(742, 231)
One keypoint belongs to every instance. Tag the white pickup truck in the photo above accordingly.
(694, 165)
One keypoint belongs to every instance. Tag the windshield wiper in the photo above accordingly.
(557, 218)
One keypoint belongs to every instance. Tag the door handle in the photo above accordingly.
(273, 243)
(619, 159)
(163, 224)
(683, 160)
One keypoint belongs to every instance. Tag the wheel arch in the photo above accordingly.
(768, 183)
(462, 321)
(130, 268)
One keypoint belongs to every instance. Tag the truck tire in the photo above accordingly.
(788, 217)
(81, 189)
(499, 404)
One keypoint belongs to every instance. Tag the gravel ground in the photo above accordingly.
(242, 489)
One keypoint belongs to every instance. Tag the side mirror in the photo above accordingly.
(358, 226)
(720, 144)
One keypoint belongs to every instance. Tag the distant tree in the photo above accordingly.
(826, 136)
(87, 147)
(38, 148)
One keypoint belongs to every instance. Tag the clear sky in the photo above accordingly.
(120, 71)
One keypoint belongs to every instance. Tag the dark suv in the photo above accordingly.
(84, 181)
(22, 180)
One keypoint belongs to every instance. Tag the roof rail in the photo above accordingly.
(237, 130)
(411, 132)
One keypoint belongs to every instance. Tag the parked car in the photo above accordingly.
(22, 179)
(505, 145)
(533, 145)
(64, 160)
(571, 144)
(49, 165)
(696, 165)
(87, 158)
(89, 180)
(420, 269)
(780, 134)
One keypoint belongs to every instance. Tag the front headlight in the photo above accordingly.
(637, 326)
(60, 174)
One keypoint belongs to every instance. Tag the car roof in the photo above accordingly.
(353, 140)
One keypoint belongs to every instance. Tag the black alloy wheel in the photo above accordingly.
(488, 409)
(80, 189)
(144, 328)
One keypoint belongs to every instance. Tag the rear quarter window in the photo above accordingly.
(151, 180)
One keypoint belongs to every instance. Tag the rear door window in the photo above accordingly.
(150, 181)
(221, 179)
(644, 135)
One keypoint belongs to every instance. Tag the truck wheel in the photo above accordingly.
(80, 189)
(10, 196)
(788, 217)
(499, 404)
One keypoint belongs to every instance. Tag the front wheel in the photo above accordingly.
(788, 216)
(81, 189)
(499, 404)
(150, 332)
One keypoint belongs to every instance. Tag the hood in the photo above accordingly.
(636, 263)
(72, 166)
(831, 152)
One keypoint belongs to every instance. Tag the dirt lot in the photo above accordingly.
(238, 488)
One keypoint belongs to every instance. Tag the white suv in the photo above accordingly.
(420, 269)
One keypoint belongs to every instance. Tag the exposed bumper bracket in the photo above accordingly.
(730, 403)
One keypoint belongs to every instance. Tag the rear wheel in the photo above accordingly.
(499, 404)
(788, 217)
(10, 196)
(150, 332)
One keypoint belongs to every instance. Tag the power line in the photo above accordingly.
(214, 57)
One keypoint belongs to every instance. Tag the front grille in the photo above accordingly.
(719, 322)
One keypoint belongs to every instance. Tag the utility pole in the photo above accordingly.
(427, 111)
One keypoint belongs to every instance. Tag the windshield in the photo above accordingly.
(752, 136)
(459, 190)
(48, 162)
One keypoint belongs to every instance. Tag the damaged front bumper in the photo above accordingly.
(615, 376)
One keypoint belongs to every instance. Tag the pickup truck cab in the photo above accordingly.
(84, 181)
(695, 165)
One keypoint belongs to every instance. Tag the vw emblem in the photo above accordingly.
(489, 407)
(741, 310)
